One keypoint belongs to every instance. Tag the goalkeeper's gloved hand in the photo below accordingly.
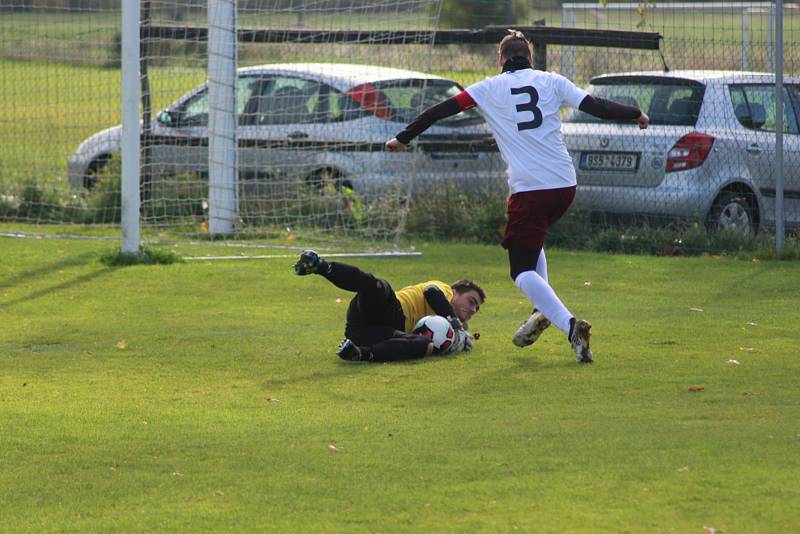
(455, 322)
(462, 342)
(468, 340)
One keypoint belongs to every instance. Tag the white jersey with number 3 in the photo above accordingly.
(523, 109)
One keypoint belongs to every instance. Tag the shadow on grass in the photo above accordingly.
(736, 285)
(74, 261)
(59, 287)
(340, 368)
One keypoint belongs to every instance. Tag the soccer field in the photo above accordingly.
(206, 396)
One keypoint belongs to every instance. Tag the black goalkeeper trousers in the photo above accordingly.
(375, 319)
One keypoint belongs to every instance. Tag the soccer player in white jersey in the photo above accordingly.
(522, 106)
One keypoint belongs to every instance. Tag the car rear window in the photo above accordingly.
(666, 103)
(402, 100)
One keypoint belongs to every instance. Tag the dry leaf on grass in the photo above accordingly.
(697, 310)
(121, 345)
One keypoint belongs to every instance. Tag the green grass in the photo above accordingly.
(206, 396)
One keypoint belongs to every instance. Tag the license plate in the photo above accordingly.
(609, 161)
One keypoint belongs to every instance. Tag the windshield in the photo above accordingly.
(676, 104)
(402, 100)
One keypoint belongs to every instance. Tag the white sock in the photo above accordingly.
(544, 298)
(541, 265)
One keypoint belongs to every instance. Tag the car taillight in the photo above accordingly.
(689, 152)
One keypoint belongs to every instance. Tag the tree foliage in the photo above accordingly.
(480, 13)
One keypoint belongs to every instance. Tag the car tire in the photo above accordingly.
(733, 210)
(92, 172)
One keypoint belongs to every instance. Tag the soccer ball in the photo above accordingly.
(438, 329)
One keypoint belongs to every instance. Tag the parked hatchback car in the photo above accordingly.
(709, 153)
(315, 122)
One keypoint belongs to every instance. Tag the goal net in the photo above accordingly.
(274, 137)
(315, 94)
(709, 35)
(317, 88)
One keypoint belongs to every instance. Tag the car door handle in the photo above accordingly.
(753, 148)
(298, 135)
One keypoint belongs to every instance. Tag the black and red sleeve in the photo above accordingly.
(461, 102)
(608, 110)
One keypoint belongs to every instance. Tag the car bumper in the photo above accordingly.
(683, 194)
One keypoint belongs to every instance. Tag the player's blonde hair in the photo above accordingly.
(514, 44)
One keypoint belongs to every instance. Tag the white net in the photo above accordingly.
(312, 109)
(59, 83)
(323, 84)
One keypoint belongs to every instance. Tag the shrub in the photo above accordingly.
(146, 256)
(451, 211)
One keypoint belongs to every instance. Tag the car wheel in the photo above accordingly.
(733, 210)
(93, 172)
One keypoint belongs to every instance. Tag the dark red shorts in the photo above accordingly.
(531, 213)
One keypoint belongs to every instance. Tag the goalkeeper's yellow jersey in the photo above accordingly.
(412, 300)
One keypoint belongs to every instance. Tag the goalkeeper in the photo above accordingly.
(380, 320)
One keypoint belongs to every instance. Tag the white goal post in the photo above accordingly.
(131, 138)
(223, 152)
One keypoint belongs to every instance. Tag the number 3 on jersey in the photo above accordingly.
(530, 106)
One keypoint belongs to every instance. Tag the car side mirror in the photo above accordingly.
(165, 118)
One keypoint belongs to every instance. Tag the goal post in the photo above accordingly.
(130, 127)
(223, 150)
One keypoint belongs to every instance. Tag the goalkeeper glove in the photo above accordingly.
(462, 342)
(455, 322)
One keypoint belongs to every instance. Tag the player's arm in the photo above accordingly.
(438, 302)
(613, 111)
(424, 120)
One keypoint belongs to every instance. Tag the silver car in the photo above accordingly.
(709, 153)
(315, 123)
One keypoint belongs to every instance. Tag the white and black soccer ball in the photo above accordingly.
(438, 329)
